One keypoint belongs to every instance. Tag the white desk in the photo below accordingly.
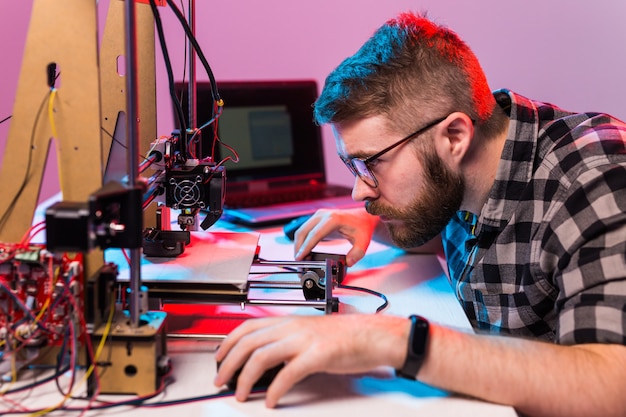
(412, 284)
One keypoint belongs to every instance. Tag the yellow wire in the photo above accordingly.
(14, 356)
(13, 373)
(91, 368)
(43, 309)
(53, 93)
(14, 366)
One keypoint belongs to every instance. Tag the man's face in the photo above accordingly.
(430, 210)
(417, 193)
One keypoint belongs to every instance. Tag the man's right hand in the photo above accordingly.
(355, 225)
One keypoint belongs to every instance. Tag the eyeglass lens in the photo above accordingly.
(363, 172)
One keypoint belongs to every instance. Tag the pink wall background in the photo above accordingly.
(568, 52)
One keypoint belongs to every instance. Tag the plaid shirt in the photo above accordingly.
(546, 257)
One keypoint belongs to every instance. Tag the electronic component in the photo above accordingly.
(318, 275)
(41, 304)
(111, 219)
(181, 183)
(313, 280)
(191, 187)
(165, 243)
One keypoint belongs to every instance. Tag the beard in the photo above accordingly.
(428, 213)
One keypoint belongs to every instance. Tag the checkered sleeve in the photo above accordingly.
(585, 241)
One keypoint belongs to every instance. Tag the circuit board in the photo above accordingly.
(41, 300)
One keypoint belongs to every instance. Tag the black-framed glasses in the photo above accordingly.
(360, 167)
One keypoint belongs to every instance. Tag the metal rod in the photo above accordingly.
(191, 92)
(132, 133)
(308, 303)
(317, 264)
(328, 288)
(191, 97)
(197, 336)
(282, 285)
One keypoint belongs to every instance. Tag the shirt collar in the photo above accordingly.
(515, 169)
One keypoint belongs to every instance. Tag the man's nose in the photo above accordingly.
(362, 192)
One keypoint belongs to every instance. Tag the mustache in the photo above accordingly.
(372, 208)
(376, 209)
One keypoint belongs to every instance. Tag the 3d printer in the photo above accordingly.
(185, 178)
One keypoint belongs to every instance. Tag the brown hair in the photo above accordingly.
(411, 71)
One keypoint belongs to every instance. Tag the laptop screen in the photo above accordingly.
(269, 124)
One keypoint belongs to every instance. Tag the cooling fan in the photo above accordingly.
(192, 187)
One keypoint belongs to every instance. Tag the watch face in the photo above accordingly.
(420, 334)
(416, 348)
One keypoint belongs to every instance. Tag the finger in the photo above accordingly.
(237, 333)
(235, 351)
(261, 360)
(360, 242)
(354, 255)
(302, 233)
(312, 238)
(315, 229)
(293, 372)
(294, 351)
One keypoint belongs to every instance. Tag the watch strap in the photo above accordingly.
(416, 349)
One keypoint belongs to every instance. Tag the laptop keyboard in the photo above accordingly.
(270, 207)
(272, 198)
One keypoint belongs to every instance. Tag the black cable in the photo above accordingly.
(196, 47)
(368, 291)
(168, 67)
(221, 394)
(35, 384)
(194, 43)
(103, 406)
(113, 138)
(5, 119)
(141, 402)
(180, 98)
(60, 357)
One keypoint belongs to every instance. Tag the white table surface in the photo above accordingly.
(412, 284)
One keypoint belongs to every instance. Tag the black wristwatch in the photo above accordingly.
(416, 350)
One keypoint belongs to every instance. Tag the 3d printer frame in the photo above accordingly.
(317, 279)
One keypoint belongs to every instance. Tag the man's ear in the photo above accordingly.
(454, 138)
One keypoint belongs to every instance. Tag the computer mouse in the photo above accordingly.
(262, 383)
(291, 227)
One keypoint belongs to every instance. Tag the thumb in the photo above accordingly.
(354, 255)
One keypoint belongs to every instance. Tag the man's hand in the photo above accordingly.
(341, 344)
(356, 225)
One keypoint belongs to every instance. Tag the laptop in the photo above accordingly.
(281, 173)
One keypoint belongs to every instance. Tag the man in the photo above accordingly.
(529, 201)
